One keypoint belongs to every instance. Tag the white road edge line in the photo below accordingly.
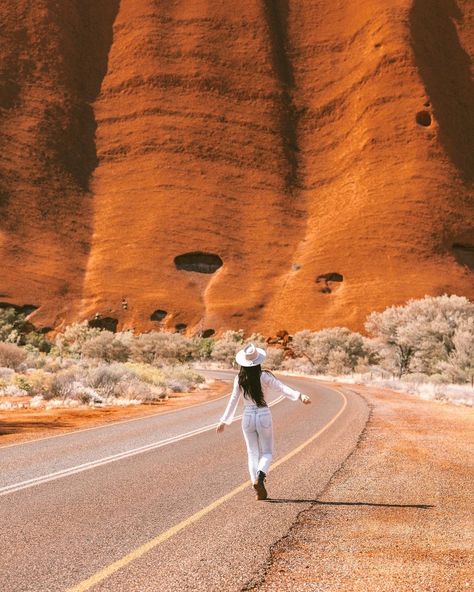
(14, 487)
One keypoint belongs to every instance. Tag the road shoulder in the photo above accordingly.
(23, 425)
(398, 513)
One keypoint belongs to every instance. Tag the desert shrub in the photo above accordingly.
(62, 384)
(459, 363)
(105, 378)
(336, 350)
(55, 364)
(181, 378)
(157, 347)
(202, 348)
(227, 346)
(11, 325)
(135, 389)
(175, 378)
(23, 383)
(418, 336)
(71, 341)
(37, 341)
(274, 359)
(339, 362)
(108, 346)
(299, 365)
(84, 394)
(39, 381)
(11, 355)
(14, 328)
(7, 376)
(147, 373)
(12, 390)
(257, 339)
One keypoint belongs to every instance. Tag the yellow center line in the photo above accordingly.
(167, 534)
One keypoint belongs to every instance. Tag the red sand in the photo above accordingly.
(281, 136)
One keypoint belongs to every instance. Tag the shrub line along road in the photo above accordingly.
(163, 503)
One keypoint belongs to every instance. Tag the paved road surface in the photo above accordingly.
(163, 503)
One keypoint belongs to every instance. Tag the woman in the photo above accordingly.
(257, 418)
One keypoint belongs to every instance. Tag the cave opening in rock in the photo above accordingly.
(207, 333)
(25, 309)
(180, 327)
(329, 277)
(464, 254)
(105, 323)
(198, 261)
(326, 278)
(423, 118)
(158, 315)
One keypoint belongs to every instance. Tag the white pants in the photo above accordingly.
(257, 427)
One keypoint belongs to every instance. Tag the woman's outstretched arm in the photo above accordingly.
(280, 387)
(229, 412)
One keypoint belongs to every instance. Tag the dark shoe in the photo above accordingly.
(259, 486)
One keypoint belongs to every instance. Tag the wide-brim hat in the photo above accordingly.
(250, 355)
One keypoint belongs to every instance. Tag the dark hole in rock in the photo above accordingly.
(464, 254)
(180, 327)
(45, 330)
(326, 278)
(25, 309)
(198, 261)
(377, 45)
(158, 315)
(295, 267)
(107, 323)
(427, 104)
(207, 333)
(237, 314)
(330, 277)
(423, 118)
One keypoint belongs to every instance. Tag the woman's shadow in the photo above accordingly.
(321, 503)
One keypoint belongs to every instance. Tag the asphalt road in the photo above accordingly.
(163, 503)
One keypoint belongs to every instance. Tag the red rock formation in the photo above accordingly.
(290, 140)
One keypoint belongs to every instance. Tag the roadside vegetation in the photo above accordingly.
(425, 347)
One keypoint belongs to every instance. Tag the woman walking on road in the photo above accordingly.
(257, 425)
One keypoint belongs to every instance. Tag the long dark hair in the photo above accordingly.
(249, 381)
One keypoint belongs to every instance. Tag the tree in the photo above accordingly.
(460, 363)
(419, 335)
(336, 350)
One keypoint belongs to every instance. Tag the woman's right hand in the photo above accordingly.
(306, 400)
(220, 428)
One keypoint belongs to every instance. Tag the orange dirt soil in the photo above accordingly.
(20, 425)
(291, 139)
(397, 515)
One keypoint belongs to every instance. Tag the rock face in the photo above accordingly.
(214, 159)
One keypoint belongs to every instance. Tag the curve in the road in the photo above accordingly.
(112, 458)
(138, 552)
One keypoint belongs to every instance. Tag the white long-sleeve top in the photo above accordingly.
(269, 383)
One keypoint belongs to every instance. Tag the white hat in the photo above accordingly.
(250, 355)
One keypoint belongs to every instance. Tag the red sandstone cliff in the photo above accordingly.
(283, 140)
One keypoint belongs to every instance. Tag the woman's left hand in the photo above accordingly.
(306, 400)
(220, 428)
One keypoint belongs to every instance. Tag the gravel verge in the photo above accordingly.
(398, 514)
